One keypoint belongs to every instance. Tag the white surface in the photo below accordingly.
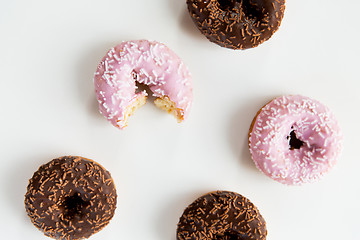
(49, 51)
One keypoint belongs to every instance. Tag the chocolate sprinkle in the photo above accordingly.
(70, 198)
(221, 215)
(237, 24)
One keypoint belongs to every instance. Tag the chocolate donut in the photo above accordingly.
(221, 215)
(70, 198)
(237, 24)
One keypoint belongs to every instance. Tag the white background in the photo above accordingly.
(49, 52)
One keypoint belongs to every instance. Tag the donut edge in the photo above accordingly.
(166, 104)
(130, 110)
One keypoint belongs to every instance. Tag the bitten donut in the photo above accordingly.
(237, 24)
(295, 140)
(221, 215)
(142, 62)
(70, 198)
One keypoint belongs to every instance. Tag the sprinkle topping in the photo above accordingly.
(70, 198)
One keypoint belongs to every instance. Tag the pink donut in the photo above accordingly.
(295, 140)
(142, 62)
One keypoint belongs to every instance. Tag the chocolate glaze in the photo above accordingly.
(237, 24)
(221, 215)
(70, 198)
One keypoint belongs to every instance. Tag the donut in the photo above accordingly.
(295, 140)
(221, 215)
(237, 24)
(70, 198)
(136, 63)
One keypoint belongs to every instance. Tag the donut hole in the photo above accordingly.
(294, 142)
(254, 11)
(231, 235)
(227, 4)
(142, 87)
(73, 206)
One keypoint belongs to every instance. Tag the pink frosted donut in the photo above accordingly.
(142, 62)
(295, 140)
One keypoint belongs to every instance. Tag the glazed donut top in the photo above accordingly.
(70, 198)
(146, 62)
(295, 139)
(237, 24)
(221, 215)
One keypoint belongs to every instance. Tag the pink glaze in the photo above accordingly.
(313, 124)
(147, 62)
